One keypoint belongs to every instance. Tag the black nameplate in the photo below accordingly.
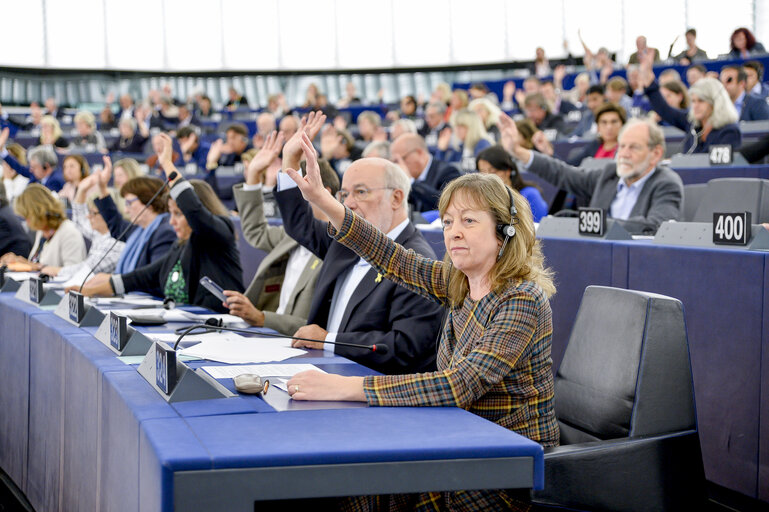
(118, 331)
(731, 228)
(165, 368)
(721, 154)
(592, 221)
(36, 291)
(76, 307)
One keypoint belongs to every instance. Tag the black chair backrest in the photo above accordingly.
(735, 195)
(626, 370)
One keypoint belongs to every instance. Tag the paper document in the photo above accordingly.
(247, 350)
(20, 276)
(133, 300)
(262, 370)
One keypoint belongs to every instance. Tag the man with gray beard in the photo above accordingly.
(632, 189)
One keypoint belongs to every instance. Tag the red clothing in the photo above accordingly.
(604, 153)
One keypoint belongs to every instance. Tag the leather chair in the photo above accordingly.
(624, 400)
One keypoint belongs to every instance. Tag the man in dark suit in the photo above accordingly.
(43, 165)
(538, 111)
(12, 236)
(428, 175)
(633, 189)
(749, 107)
(352, 303)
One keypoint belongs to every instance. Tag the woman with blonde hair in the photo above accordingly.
(471, 138)
(88, 139)
(494, 351)
(57, 242)
(712, 118)
(50, 133)
(489, 114)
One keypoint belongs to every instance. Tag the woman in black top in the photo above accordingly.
(206, 247)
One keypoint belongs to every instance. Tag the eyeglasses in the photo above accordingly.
(129, 202)
(729, 80)
(359, 193)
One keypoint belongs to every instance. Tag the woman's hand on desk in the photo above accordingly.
(239, 305)
(99, 286)
(314, 385)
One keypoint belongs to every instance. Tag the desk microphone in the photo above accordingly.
(379, 348)
(170, 177)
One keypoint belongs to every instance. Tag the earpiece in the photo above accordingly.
(215, 322)
(169, 303)
(508, 230)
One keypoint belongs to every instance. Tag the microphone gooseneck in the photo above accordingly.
(170, 177)
(379, 348)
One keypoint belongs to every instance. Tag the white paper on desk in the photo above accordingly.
(133, 300)
(20, 276)
(248, 350)
(170, 337)
(262, 370)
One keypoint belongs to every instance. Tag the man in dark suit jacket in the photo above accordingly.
(633, 190)
(12, 236)
(352, 303)
(749, 106)
(538, 111)
(43, 165)
(428, 175)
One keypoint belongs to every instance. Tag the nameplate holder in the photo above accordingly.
(731, 228)
(9, 285)
(73, 308)
(592, 221)
(700, 234)
(34, 289)
(568, 228)
(721, 154)
(133, 342)
(189, 384)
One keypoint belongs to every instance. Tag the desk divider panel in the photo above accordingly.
(722, 293)
(763, 437)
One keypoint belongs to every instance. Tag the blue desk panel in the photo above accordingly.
(763, 454)
(722, 292)
(705, 174)
(14, 400)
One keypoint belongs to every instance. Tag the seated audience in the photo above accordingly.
(50, 133)
(227, 153)
(338, 147)
(470, 139)
(489, 114)
(378, 149)
(541, 67)
(610, 118)
(428, 175)
(105, 250)
(236, 100)
(133, 136)
(351, 301)
(13, 238)
(749, 107)
(192, 152)
(280, 294)
(754, 79)
(434, 124)
(369, 123)
(43, 164)
(148, 236)
(350, 96)
(694, 73)
(557, 104)
(693, 53)
(88, 139)
(107, 119)
(743, 44)
(633, 189)
(288, 126)
(74, 169)
(57, 240)
(494, 350)
(711, 120)
(495, 160)
(595, 98)
(206, 246)
(52, 109)
(538, 111)
(641, 51)
(14, 182)
(616, 92)
(186, 117)
(402, 126)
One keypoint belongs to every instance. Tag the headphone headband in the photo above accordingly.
(508, 230)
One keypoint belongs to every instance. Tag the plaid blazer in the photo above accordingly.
(493, 355)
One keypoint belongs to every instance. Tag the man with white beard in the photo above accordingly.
(632, 189)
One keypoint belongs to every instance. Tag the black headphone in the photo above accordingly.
(508, 230)
(169, 303)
